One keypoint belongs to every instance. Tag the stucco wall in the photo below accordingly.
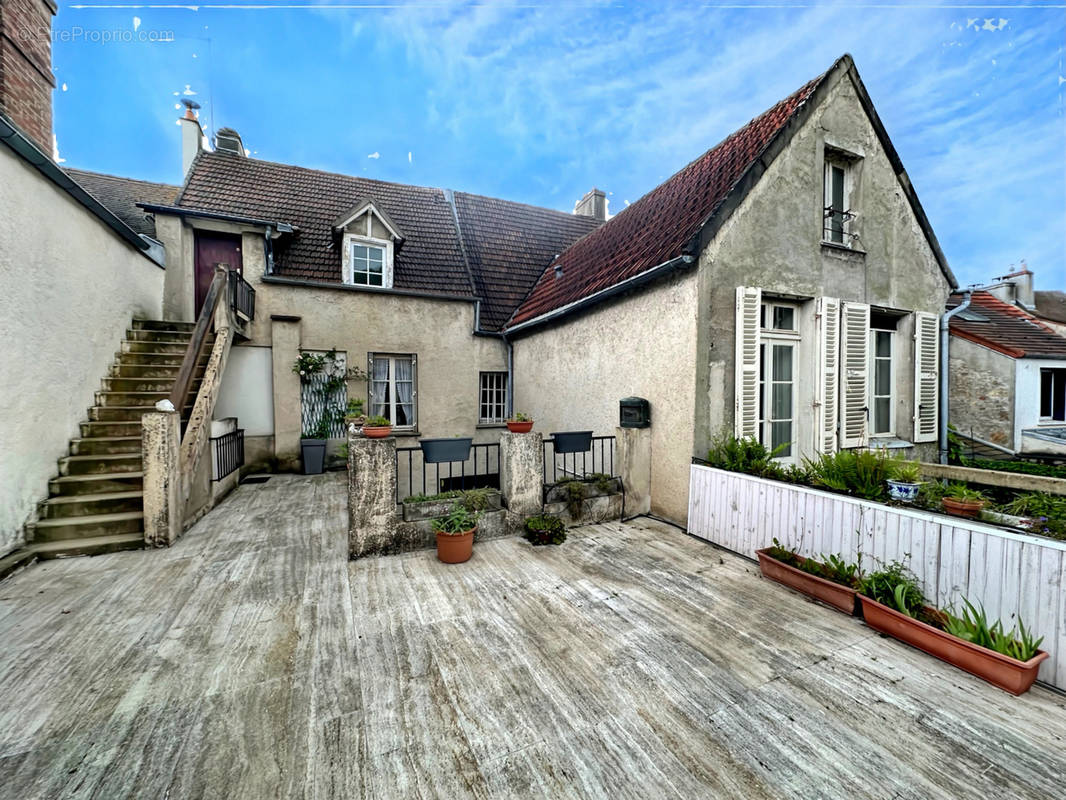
(981, 393)
(773, 241)
(68, 289)
(572, 375)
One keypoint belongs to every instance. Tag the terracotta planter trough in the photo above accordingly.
(832, 594)
(1003, 671)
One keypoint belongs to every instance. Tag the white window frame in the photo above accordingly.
(363, 234)
(768, 337)
(390, 407)
(847, 234)
(874, 358)
(1060, 373)
(488, 383)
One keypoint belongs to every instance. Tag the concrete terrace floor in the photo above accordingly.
(252, 660)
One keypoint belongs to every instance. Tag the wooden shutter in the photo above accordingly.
(926, 377)
(854, 373)
(746, 383)
(827, 311)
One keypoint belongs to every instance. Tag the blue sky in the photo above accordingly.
(539, 102)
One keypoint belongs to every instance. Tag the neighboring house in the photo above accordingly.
(410, 284)
(1051, 309)
(121, 196)
(785, 285)
(1007, 376)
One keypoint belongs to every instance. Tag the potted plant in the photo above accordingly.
(572, 441)
(905, 481)
(520, 423)
(354, 411)
(962, 501)
(893, 604)
(455, 534)
(377, 427)
(832, 580)
(313, 447)
(440, 451)
(545, 529)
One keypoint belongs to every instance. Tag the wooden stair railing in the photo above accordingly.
(179, 395)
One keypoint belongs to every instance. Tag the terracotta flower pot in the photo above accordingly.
(1007, 673)
(455, 548)
(376, 431)
(519, 427)
(832, 594)
(962, 508)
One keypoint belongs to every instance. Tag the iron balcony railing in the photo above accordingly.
(414, 476)
(242, 295)
(597, 460)
(228, 452)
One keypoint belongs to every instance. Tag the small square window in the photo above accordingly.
(492, 398)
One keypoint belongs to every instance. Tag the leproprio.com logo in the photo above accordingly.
(77, 33)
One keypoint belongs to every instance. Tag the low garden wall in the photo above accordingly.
(1010, 574)
(414, 530)
(596, 503)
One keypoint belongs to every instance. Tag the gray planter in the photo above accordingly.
(572, 441)
(439, 451)
(313, 455)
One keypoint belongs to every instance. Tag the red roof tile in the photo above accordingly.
(659, 226)
(1006, 328)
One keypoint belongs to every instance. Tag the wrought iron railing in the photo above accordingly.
(229, 453)
(414, 476)
(597, 460)
(242, 295)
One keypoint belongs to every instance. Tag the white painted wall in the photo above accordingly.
(68, 289)
(247, 391)
(1027, 393)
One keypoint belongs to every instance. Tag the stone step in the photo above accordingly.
(82, 505)
(99, 465)
(168, 347)
(122, 385)
(100, 483)
(22, 557)
(151, 371)
(163, 325)
(105, 445)
(121, 413)
(131, 399)
(88, 547)
(158, 359)
(88, 527)
(91, 430)
(136, 335)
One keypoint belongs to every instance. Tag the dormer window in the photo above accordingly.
(370, 240)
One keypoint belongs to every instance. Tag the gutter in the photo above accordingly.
(945, 351)
(640, 279)
(180, 211)
(347, 287)
(32, 154)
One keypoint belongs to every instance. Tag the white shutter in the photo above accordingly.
(926, 377)
(746, 383)
(827, 310)
(854, 374)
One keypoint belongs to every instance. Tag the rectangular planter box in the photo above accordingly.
(572, 441)
(1003, 671)
(429, 509)
(832, 594)
(441, 451)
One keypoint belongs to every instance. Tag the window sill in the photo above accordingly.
(491, 425)
(843, 248)
(888, 443)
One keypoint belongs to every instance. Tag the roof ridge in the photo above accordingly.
(110, 176)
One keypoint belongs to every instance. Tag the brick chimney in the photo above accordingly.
(26, 79)
(593, 204)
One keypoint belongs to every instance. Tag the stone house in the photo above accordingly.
(1008, 373)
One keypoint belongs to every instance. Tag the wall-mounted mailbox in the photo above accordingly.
(634, 412)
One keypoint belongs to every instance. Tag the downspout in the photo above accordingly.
(268, 251)
(945, 350)
(510, 376)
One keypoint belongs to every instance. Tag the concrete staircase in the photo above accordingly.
(95, 504)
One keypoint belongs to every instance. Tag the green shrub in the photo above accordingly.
(894, 586)
(520, 417)
(377, 421)
(458, 520)
(604, 483)
(475, 499)
(544, 529)
(858, 472)
(427, 498)
(963, 493)
(831, 567)
(906, 472)
(973, 626)
(1047, 512)
(1023, 467)
(745, 455)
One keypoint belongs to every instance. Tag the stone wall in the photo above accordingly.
(981, 393)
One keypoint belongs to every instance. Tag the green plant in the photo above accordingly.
(427, 498)
(963, 493)
(894, 586)
(457, 521)
(906, 472)
(861, 473)
(355, 407)
(840, 571)
(1046, 512)
(575, 495)
(520, 417)
(973, 626)
(377, 421)
(318, 430)
(832, 567)
(604, 483)
(475, 499)
(745, 455)
(544, 529)
(1024, 467)
(309, 364)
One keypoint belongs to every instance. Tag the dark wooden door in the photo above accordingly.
(211, 249)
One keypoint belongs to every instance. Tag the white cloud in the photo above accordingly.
(375, 154)
(136, 23)
(408, 156)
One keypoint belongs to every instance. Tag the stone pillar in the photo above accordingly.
(285, 349)
(634, 467)
(163, 502)
(522, 473)
(372, 518)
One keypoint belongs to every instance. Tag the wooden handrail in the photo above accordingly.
(180, 393)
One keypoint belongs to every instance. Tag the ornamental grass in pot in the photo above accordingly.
(520, 423)
(962, 501)
(905, 481)
(377, 428)
(893, 604)
(455, 534)
(831, 580)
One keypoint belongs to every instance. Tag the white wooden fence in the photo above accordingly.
(1010, 574)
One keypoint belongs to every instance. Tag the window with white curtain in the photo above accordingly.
(492, 398)
(393, 392)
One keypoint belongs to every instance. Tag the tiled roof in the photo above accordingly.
(430, 259)
(121, 195)
(660, 226)
(1051, 305)
(1005, 328)
(508, 245)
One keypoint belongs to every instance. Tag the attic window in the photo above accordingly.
(838, 216)
(370, 241)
